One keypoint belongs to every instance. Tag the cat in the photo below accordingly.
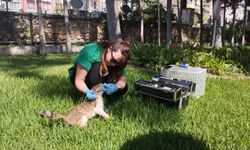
(84, 111)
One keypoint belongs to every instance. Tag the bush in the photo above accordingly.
(216, 61)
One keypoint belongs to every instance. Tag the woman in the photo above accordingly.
(101, 63)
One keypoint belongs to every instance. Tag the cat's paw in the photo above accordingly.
(45, 113)
(107, 117)
(111, 118)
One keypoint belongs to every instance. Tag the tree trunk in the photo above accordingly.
(243, 42)
(217, 24)
(159, 22)
(66, 21)
(224, 25)
(42, 48)
(114, 29)
(233, 27)
(169, 30)
(7, 7)
(201, 24)
(142, 20)
(179, 22)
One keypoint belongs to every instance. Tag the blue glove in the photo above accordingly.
(109, 88)
(90, 94)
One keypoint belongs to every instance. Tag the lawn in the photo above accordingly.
(218, 120)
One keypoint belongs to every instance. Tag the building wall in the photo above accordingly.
(48, 6)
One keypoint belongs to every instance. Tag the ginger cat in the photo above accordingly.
(84, 111)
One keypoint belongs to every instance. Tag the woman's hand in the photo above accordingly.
(90, 94)
(109, 88)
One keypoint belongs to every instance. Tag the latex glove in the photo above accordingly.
(90, 94)
(109, 88)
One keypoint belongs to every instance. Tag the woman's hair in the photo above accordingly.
(116, 72)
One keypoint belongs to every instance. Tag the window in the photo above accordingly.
(48, 1)
(14, 6)
(3, 6)
(31, 6)
(31, 10)
(59, 1)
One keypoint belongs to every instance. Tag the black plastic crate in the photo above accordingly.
(159, 90)
(164, 90)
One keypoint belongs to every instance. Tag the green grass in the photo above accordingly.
(219, 120)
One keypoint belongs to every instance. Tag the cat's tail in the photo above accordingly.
(46, 113)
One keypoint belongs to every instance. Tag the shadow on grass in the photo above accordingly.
(165, 140)
(28, 74)
(145, 113)
(12, 64)
(51, 86)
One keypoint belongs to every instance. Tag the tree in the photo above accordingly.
(169, 30)
(179, 7)
(42, 47)
(125, 10)
(201, 24)
(217, 24)
(225, 2)
(142, 20)
(159, 22)
(114, 29)
(234, 7)
(66, 21)
(243, 42)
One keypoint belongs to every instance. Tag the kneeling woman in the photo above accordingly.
(101, 63)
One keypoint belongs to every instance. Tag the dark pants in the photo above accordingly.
(93, 78)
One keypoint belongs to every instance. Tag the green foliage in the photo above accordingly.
(219, 120)
(149, 55)
(216, 61)
(207, 60)
(239, 56)
(150, 13)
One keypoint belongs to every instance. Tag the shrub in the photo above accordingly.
(216, 61)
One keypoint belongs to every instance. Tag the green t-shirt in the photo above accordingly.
(91, 53)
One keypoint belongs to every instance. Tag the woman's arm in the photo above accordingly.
(81, 73)
(121, 83)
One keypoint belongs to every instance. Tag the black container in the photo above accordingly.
(164, 90)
